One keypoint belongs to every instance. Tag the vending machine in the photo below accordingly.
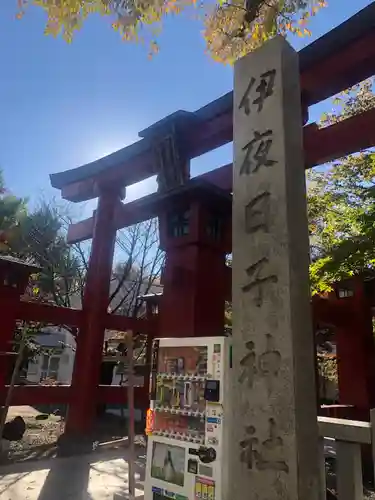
(186, 419)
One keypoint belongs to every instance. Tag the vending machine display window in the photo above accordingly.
(179, 396)
(185, 394)
(168, 463)
(186, 360)
(172, 424)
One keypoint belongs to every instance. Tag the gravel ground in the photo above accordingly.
(43, 431)
(39, 440)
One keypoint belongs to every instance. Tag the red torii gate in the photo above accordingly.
(338, 60)
(195, 270)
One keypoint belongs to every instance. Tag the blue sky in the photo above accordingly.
(65, 105)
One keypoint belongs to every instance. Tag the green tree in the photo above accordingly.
(42, 240)
(12, 212)
(38, 237)
(232, 28)
(341, 204)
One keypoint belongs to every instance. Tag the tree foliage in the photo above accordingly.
(43, 241)
(341, 204)
(235, 28)
(232, 28)
(327, 367)
(12, 212)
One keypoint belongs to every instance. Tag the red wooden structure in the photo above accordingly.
(348, 309)
(195, 226)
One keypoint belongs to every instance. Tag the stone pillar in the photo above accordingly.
(273, 445)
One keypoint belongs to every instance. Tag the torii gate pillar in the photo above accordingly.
(195, 232)
(86, 373)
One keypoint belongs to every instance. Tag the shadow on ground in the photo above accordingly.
(67, 478)
(102, 475)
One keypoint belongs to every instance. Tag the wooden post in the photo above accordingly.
(5, 409)
(8, 327)
(131, 437)
(273, 428)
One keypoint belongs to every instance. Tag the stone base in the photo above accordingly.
(69, 445)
